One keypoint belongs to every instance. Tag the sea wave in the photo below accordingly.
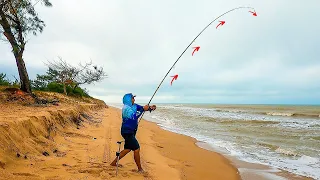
(232, 110)
(228, 121)
(273, 148)
(288, 152)
(279, 114)
(247, 149)
(287, 120)
(269, 146)
(306, 115)
(290, 114)
(316, 138)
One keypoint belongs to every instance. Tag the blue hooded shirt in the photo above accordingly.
(130, 115)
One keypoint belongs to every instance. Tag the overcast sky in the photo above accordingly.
(273, 58)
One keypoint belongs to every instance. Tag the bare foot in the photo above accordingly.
(141, 171)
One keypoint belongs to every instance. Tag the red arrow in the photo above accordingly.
(221, 23)
(195, 49)
(175, 77)
(253, 13)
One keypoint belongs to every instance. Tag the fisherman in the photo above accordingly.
(130, 115)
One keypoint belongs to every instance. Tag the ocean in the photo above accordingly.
(286, 137)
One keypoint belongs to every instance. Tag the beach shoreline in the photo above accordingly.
(181, 153)
(85, 151)
(246, 170)
(235, 132)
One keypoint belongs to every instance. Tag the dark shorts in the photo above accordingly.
(130, 142)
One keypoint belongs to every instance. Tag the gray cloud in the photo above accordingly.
(272, 58)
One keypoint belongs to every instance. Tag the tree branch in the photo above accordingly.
(76, 75)
(7, 32)
(19, 28)
(2, 4)
(11, 18)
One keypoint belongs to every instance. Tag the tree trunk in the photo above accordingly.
(24, 78)
(64, 88)
(17, 51)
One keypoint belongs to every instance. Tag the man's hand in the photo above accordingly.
(153, 107)
(150, 108)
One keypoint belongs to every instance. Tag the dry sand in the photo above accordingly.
(86, 153)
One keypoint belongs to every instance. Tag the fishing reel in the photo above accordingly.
(150, 109)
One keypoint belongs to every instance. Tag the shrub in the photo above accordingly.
(3, 80)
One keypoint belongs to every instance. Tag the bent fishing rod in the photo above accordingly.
(190, 45)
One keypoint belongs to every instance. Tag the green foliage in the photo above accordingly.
(3, 80)
(55, 87)
(48, 82)
(22, 17)
(6, 82)
(79, 92)
(52, 75)
(51, 82)
(41, 82)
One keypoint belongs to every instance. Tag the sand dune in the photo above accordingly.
(79, 142)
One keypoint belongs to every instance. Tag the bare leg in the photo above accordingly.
(137, 159)
(122, 154)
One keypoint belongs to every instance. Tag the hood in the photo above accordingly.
(127, 99)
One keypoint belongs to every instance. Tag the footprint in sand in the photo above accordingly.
(25, 174)
(48, 168)
(121, 174)
(53, 177)
(94, 171)
(144, 173)
(2, 165)
(77, 159)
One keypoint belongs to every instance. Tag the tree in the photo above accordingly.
(18, 18)
(62, 72)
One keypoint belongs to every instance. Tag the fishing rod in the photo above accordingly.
(190, 45)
